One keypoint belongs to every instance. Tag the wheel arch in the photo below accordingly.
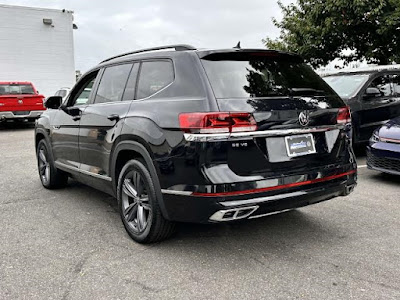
(127, 150)
(41, 134)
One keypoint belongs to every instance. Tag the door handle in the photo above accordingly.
(113, 117)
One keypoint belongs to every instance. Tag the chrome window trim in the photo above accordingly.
(216, 137)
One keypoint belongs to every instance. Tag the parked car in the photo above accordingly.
(20, 101)
(63, 92)
(199, 136)
(373, 95)
(383, 152)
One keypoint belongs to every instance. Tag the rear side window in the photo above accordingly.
(16, 89)
(263, 75)
(154, 76)
(113, 83)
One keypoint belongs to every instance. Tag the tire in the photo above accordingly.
(50, 176)
(138, 205)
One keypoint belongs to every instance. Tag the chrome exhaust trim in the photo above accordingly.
(233, 214)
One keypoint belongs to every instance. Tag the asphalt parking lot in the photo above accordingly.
(71, 244)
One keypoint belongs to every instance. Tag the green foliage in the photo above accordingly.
(319, 30)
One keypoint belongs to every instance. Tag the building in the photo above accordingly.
(36, 44)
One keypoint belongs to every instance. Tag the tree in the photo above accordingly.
(322, 30)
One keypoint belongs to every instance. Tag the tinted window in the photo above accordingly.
(16, 89)
(255, 75)
(129, 93)
(383, 83)
(112, 84)
(347, 85)
(154, 76)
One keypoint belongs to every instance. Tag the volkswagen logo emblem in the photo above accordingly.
(20, 101)
(304, 118)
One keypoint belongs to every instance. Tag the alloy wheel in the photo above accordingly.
(44, 165)
(136, 207)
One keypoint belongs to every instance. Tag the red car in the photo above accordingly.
(20, 100)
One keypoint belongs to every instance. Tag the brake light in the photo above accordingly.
(344, 116)
(217, 122)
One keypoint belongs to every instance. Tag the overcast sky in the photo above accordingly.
(106, 28)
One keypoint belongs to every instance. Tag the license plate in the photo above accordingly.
(298, 145)
(21, 113)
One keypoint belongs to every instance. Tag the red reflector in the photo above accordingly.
(344, 116)
(217, 122)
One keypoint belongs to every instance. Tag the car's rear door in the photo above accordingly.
(65, 125)
(101, 121)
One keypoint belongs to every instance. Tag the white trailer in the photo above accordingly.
(36, 45)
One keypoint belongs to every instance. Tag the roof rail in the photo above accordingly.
(179, 47)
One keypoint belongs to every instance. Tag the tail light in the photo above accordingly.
(217, 122)
(344, 116)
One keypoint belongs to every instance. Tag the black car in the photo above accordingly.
(373, 95)
(383, 151)
(199, 136)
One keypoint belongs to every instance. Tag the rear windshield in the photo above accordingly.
(347, 85)
(16, 89)
(258, 75)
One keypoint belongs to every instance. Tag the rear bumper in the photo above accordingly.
(199, 208)
(382, 160)
(9, 115)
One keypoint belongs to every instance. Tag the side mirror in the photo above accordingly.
(372, 92)
(53, 102)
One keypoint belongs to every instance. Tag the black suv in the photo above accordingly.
(199, 136)
(373, 95)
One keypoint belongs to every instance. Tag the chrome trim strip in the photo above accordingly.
(104, 177)
(62, 165)
(262, 199)
(173, 192)
(271, 213)
(198, 137)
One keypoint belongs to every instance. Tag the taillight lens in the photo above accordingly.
(217, 122)
(344, 116)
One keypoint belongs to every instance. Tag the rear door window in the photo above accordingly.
(112, 83)
(264, 75)
(154, 76)
(129, 93)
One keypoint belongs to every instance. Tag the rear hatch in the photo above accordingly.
(20, 98)
(288, 101)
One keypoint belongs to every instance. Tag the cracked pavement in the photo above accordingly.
(71, 244)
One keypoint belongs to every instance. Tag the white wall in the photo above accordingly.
(33, 51)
